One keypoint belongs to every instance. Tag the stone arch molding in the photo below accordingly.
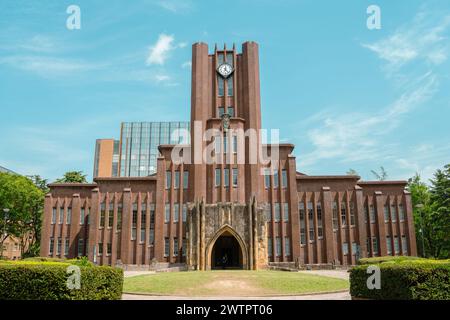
(221, 231)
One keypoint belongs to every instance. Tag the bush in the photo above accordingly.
(38, 280)
(404, 279)
(396, 259)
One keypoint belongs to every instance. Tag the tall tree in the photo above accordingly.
(431, 207)
(380, 176)
(73, 177)
(24, 201)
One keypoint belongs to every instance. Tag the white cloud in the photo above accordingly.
(187, 64)
(360, 136)
(423, 39)
(176, 6)
(47, 66)
(159, 52)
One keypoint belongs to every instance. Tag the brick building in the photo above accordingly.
(236, 210)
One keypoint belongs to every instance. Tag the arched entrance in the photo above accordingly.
(226, 240)
(226, 253)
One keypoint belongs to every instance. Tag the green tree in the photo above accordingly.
(420, 198)
(440, 212)
(431, 208)
(380, 176)
(73, 177)
(24, 200)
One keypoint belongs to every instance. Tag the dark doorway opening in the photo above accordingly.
(226, 253)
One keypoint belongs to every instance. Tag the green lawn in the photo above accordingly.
(232, 283)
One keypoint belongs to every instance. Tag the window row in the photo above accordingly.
(311, 218)
(342, 211)
(59, 242)
(287, 246)
(175, 247)
(230, 111)
(396, 245)
(176, 182)
(275, 210)
(59, 213)
(389, 215)
(267, 182)
(226, 177)
(176, 210)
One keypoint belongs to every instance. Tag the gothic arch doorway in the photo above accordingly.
(227, 251)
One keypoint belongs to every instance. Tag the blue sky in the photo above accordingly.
(346, 96)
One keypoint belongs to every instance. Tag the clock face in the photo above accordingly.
(225, 70)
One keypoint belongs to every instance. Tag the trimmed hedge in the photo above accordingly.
(404, 279)
(37, 280)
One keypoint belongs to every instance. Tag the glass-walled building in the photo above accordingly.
(139, 144)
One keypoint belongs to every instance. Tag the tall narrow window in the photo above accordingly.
(368, 246)
(230, 111)
(401, 212)
(335, 216)
(345, 248)
(311, 221)
(58, 246)
(111, 215)
(119, 216)
(352, 214)
(301, 211)
(286, 212)
(366, 214)
(375, 246)
(287, 246)
(393, 213)
(167, 213)
(80, 247)
(151, 239)
(168, 179)
(100, 248)
(177, 180)
(102, 215)
(267, 178)
(226, 177)
(152, 215)
(278, 246)
(319, 220)
(284, 178)
(389, 245)
(82, 212)
(230, 86)
(225, 144)
(396, 245)
(220, 81)
(175, 247)
(185, 179)
(277, 211)
(51, 246)
(275, 179)
(343, 214)
(372, 213)
(218, 173)
(69, 215)
(134, 222)
(220, 111)
(166, 247)
(143, 220)
(354, 248)
(53, 215)
(176, 212)
(235, 177)
(61, 215)
(235, 143)
(404, 245)
(108, 248)
(66, 247)
(184, 212)
(386, 213)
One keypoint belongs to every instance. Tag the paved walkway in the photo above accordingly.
(341, 274)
